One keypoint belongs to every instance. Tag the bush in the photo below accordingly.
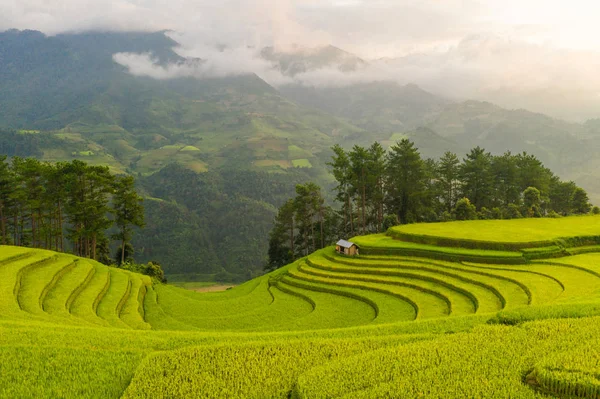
(390, 221)
(464, 210)
(552, 214)
(497, 213)
(485, 214)
(152, 269)
(513, 212)
(446, 217)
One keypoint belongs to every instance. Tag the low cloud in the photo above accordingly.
(513, 52)
(211, 63)
(488, 67)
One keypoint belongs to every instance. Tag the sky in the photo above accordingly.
(540, 54)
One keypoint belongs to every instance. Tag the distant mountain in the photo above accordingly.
(241, 144)
(297, 60)
(380, 107)
(43, 79)
(70, 83)
(89, 107)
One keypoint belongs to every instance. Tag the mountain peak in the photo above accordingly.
(299, 59)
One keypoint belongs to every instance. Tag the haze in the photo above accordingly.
(540, 55)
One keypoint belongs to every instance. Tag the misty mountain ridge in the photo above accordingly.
(71, 82)
(297, 59)
(238, 131)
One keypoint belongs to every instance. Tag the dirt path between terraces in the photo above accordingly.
(214, 288)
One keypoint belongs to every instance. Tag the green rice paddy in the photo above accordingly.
(405, 319)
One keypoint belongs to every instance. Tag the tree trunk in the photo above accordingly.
(16, 228)
(321, 217)
(33, 235)
(123, 249)
(381, 204)
(3, 224)
(351, 216)
(345, 208)
(312, 232)
(21, 228)
(94, 243)
(305, 242)
(40, 226)
(292, 239)
(364, 205)
(60, 227)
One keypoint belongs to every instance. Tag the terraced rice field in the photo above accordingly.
(407, 318)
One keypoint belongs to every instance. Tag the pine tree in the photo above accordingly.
(128, 210)
(476, 177)
(341, 171)
(448, 179)
(405, 181)
(281, 238)
(6, 190)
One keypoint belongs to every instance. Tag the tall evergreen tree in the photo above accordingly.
(281, 238)
(340, 165)
(448, 169)
(405, 181)
(6, 189)
(507, 186)
(359, 160)
(476, 178)
(375, 183)
(581, 202)
(128, 209)
(561, 196)
(532, 173)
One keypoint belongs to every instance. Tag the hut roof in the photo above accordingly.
(345, 244)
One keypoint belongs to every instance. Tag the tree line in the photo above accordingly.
(376, 189)
(68, 206)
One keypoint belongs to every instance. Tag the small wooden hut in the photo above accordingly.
(346, 248)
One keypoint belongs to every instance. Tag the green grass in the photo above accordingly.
(380, 325)
(428, 304)
(460, 301)
(518, 231)
(386, 245)
(84, 306)
(500, 290)
(111, 303)
(191, 285)
(295, 152)
(189, 148)
(36, 284)
(301, 163)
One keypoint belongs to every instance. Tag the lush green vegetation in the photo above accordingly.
(42, 205)
(383, 324)
(67, 99)
(536, 230)
(377, 189)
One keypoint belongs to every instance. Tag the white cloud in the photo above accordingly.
(461, 48)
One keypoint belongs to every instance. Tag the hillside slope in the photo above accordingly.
(327, 326)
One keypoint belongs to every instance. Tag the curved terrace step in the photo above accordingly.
(429, 304)
(485, 290)
(335, 307)
(37, 282)
(462, 301)
(10, 283)
(114, 298)
(60, 296)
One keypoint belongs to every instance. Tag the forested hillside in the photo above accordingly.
(376, 190)
(240, 145)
